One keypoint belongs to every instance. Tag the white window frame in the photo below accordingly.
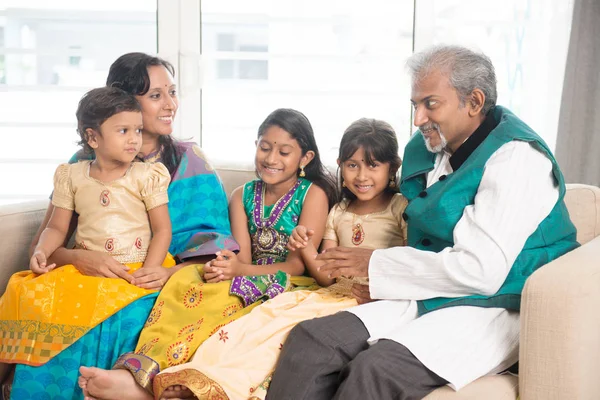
(180, 42)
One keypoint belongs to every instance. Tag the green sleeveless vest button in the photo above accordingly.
(443, 177)
(423, 194)
(426, 242)
(405, 216)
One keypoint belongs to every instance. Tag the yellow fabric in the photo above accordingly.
(187, 312)
(242, 355)
(100, 204)
(238, 361)
(41, 315)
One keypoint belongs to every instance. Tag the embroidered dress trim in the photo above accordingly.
(358, 234)
(202, 386)
(251, 289)
(143, 368)
(267, 242)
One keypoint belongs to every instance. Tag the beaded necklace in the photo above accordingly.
(266, 236)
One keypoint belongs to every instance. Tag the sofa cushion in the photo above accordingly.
(18, 223)
(235, 176)
(583, 202)
(497, 387)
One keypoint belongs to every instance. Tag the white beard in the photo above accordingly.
(441, 146)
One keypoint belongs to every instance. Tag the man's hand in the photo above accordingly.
(361, 293)
(345, 261)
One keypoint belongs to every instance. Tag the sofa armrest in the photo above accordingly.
(560, 328)
(18, 225)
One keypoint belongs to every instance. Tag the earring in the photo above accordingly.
(343, 183)
(302, 173)
(392, 184)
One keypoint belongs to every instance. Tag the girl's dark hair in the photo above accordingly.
(379, 142)
(130, 73)
(298, 126)
(98, 105)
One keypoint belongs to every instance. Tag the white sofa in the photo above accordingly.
(560, 316)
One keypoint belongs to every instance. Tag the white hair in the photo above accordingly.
(466, 70)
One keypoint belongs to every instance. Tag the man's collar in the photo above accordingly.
(468, 147)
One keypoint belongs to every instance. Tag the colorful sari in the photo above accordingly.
(188, 310)
(200, 220)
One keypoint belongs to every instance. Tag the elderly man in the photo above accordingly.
(485, 211)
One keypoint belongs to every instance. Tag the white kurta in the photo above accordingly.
(463, 343)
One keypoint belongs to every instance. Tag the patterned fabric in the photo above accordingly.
(203, 388)
(197, 204)
(100, 204)
(241, 359)
(271, 226)
(143, 368)
(101, 347)
(188, 310)
(198, 207)
(200, 219)
(186, 313)
(41, 315)
(259, 288)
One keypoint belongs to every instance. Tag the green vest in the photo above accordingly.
(433, 212)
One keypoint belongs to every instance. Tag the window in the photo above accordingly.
(50, 54)
(240, 45)
(2, 72)
(237, 60)
(526, 40)
(335, 62)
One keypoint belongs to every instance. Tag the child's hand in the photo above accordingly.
(222, 268)
(212, 274)
(151, 277)
(38, 262)
(299, 238)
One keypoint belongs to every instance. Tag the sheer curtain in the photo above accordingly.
(578, 142)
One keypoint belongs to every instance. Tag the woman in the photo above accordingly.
(199, 215)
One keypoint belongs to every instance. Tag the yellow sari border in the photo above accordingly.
(202, 386)
(35, 343)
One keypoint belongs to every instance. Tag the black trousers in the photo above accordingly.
(329, 358)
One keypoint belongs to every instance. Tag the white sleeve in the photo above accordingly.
(517, 191)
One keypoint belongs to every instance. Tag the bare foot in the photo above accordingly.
(104, 384)
(177, 392)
